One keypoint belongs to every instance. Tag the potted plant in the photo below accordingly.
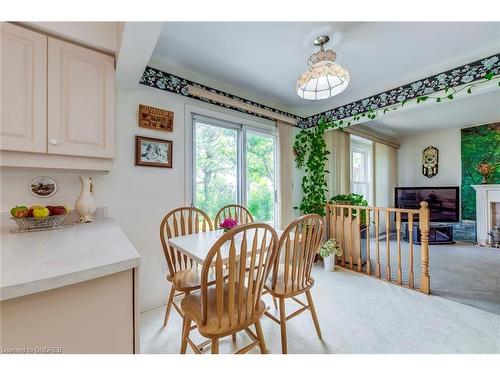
(328, 251)
(352, 200)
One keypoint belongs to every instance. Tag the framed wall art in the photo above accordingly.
(153, 152)
(156, 118)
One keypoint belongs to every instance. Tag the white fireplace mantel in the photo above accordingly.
(485, 195)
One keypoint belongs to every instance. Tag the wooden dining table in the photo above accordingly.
(197, 245)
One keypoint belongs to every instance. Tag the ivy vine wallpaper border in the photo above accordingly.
(169, 82)
(451, 78)
(458, 76)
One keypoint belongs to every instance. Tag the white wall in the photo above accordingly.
(137, 197)
(410, 158)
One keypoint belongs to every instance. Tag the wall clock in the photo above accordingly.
(430, 159)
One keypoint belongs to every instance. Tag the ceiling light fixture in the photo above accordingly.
(324, 78)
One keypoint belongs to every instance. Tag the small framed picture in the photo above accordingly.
(153, 152)
(156, 118)
(43, 187)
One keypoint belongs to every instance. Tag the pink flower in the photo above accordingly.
(228, 223)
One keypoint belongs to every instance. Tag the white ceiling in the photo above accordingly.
(266, 58)
(459, 113)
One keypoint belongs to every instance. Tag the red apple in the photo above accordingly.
(57, 210)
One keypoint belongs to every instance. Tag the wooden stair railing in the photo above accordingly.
(344, 224)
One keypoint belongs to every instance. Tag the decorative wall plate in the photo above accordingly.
(430, 159)
(43, 187)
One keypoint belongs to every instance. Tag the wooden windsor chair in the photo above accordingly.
(233, 302)
(242, 215)
(234, 211)
(291, 274)
(183, 273)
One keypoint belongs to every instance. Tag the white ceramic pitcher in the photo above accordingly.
(85, 204)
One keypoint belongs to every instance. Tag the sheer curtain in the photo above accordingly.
(386, 175)
(286, 164)
(338, 163)
(383, 167)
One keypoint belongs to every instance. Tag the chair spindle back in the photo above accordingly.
(297, 249)
(241, 261)
(180, 222)
(234, 211)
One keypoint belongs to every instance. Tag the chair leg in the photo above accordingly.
(313, 313)
(169, 305)
(260, 336)
(234, 337)
(284, 349)
(215, 346)
(186, 328)
(275, 303)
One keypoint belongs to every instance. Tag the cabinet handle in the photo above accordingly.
(54, 141)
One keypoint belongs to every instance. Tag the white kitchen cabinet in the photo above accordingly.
(81, 101)
(57, 104)
(23, 89)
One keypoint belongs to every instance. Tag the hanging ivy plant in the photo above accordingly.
(311, 152)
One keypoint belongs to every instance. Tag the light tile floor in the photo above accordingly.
(358, 314)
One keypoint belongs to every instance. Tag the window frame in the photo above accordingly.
(366, 150)
(242, 129)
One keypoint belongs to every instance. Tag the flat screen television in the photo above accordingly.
(443, 202)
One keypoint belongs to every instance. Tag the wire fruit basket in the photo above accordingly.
(27, 224)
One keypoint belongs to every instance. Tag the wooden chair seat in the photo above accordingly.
(289, 290)
(186, 280)
(191, 306)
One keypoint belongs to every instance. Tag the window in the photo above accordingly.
(360, 166)
(234, 163)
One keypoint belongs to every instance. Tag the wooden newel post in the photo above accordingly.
(424, 225)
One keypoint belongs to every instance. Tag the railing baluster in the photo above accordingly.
(351, 239)
(388, 245)
(411, 276)
(342, 236)
(358, 233)
(398, 236)
(332, 210)
(367, 223)
(377, 243)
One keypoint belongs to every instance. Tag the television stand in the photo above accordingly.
(439, 234)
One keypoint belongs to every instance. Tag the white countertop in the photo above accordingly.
(38, 261)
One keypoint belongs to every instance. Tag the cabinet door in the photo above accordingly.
(23, 89)
(81, 101)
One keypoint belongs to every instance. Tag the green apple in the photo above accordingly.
(19, 211)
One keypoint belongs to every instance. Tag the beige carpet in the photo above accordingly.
(463, 272)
